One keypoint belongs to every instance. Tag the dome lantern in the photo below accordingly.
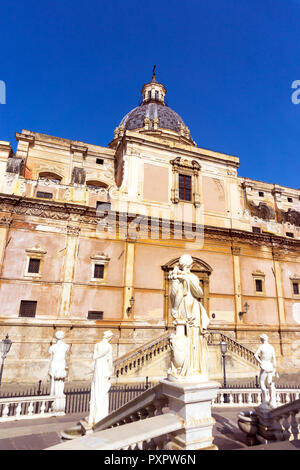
(154, 91)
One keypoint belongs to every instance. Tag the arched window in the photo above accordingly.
(201, 269)
(46, 175)
(94, 184)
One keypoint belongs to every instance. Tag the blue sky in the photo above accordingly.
(73, 69)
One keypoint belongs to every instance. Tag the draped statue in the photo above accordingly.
(188, 344)
(103, 370)
(57, 372)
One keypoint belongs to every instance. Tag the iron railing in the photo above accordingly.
(78, 398)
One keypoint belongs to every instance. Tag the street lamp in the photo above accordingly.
(223, 345)
(129, 309)
(5, 346)
(246, 308)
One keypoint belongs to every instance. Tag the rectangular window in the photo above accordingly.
(290, 199)
(290, 234)
(261, 193)
(99, 161)
(185, 187)
(258, 285)
(27, 308)
(95, 315)
(98, 271)
(34, 265)
(256, 229)
(44, 195)
(296, 288)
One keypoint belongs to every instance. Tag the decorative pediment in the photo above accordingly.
(100, 257)
(180, 163)
(36, 250)
(197, 266)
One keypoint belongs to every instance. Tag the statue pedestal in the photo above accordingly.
(192, 402)
(59, 404)
(86, 428)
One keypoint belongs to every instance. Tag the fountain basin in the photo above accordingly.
(248, 423)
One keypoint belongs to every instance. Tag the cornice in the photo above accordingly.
(17, 205)
(176, 148)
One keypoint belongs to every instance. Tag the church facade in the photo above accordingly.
(88, 235)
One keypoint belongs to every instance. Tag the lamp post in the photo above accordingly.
(223, 351)
(5, 346)
(223, 345)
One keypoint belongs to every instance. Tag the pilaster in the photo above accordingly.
(68, 271)
(5, 222)
(279, 290)
(237, 281)
(128, 291)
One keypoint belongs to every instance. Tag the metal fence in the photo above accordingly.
(78, 399)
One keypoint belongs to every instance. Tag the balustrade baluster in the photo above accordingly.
(259, 398)
(279, 399)
(43, 407)
(140, 445)
(240, 398)
(294, 425)
(30, 409)
(6, 410)
(286, 427)
(18, 410)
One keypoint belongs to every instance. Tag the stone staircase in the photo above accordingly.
(153, 360)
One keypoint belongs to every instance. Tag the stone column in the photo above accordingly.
(192, 403)
(68, 270)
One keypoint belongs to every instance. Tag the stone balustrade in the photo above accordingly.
(215, 337)
(147, 405)
(16, 408)
(279, 424)
(131, 362)
(171, 415)
(240, 397)
(134, 360)
(149, 434)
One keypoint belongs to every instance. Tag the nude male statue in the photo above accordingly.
(265, 355)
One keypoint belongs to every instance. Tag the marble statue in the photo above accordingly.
(265, 355)
(103, 369)
(188, 344)
(57, 372)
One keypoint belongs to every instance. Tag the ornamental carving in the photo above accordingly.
(262, 211)
(292, 216)
(179, 163)
(15, 165)
(5, 221)
(78, 175)
(72, 230)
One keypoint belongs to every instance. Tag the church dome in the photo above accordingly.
(167, 118)
(153, 114)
